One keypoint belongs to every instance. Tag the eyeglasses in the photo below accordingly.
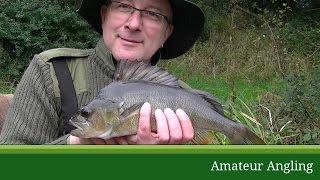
(147, 16)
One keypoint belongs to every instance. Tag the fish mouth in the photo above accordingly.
(79, 122)
(85, 129)
(76, 124)
(81, 127)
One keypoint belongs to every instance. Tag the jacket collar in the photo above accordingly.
(105, 55)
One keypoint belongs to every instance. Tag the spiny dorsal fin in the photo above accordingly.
(210, 99)
(139, 70)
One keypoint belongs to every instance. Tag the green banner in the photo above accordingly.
(159, 162)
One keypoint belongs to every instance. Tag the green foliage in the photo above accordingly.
(213, 11)
(278, 5)
(7, 88)
(28, 27)
(302, 97)
(302, 34)
(295, 111)
(9, 67)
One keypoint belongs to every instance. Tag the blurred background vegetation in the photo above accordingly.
(259, 57)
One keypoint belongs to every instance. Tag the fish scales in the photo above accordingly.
(161, 97)
(116, 109)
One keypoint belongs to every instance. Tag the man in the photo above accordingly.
(131, 30)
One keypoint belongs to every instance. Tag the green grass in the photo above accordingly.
(220, 85)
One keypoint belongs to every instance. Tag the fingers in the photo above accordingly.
(180, 129)
(144, 120)
(162, 127)
(116, 140)
(75, 140)
(144, 134)
(96, 141)
(132, 139)
(99, 141)
(174, 127)
(121, 140)
(186, 126)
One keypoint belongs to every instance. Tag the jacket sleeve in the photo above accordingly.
(32, 117)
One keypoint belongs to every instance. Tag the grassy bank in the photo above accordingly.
(249, 70)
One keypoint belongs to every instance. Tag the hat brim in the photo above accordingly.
(188, 23)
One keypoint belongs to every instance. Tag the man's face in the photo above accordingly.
(139, 35)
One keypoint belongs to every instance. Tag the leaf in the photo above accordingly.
(307, 131)
(250, 118)
(314, 135)
(307, 137)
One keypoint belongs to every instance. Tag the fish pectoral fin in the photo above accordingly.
(205, 137)
(132, 111)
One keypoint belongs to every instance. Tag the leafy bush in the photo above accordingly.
(302, 34)
(301, 97)
(9, 67)
(295, 111)
(215, 13)
(28, 27)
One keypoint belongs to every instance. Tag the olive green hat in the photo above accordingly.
(188, 22)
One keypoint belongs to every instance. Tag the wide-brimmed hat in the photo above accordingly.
(188, 22)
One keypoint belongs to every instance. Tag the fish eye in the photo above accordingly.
(84, 113)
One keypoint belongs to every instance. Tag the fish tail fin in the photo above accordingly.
(243, 135)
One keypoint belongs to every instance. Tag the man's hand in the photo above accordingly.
(75, 140)
(172, 128)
